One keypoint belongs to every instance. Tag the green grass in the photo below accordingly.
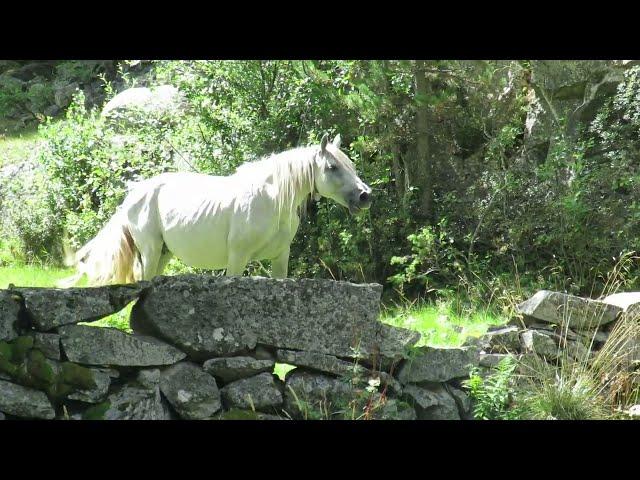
(440, 324)
(17, 147)
(32, 276)
(281, 370)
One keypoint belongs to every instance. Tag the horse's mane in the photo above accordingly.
(292, 171)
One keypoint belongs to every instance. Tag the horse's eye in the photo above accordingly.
(333, 167)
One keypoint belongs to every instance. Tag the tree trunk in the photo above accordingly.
(420, 168)
(390, 130)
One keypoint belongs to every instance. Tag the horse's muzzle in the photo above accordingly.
(362, 201)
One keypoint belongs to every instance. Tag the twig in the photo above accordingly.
(181, 156)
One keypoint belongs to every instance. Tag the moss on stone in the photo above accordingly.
(40, 368)
(21, 347)
(29, 367)
(74, 374)
(96, 412)
(5, 351)
(7, 367)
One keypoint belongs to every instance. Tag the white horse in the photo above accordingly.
(216, 222)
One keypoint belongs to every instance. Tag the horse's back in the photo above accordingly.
(198, 216)
(194, 212)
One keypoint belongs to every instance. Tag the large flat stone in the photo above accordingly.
(431, 364)
(220, 316)
(321, 362)
(24, 402)
(568, 310)
(108, 346)
(49, 308)
(330, 364)
(628, 301)
(229, 369)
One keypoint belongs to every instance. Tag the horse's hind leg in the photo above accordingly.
(150, 253)
(280, 265)
(165, 257)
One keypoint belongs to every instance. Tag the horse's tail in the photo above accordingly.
(111, 257)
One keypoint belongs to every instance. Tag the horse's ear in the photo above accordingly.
(323, 142)
(336, 141)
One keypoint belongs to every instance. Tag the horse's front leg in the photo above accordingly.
(236, 263)
(280, 265)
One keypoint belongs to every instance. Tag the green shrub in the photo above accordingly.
(494, 396)
(90, 164)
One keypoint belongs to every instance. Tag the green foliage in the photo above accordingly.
(493, 396)
(90, 164)
(37, 225)
(12, 97)
(434, 261)
(573, 204)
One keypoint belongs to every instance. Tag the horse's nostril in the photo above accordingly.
(364, 196)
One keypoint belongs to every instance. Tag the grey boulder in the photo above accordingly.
(193, 393)
(133, 401)
(136, 104)
(491, 360)
(502, 340)
(314, 396)
(568, 310)
(330, 364)
(541, 343)
(432, 364)
(96, 394)
(262, 392)
(432, 402)
(24, 402)
(321, 362)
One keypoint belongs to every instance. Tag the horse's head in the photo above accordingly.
(336, 177)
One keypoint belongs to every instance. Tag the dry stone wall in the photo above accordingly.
(205, 347)
(556, 327)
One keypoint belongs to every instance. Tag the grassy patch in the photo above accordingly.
(32, 276)
(281, 370)
(19, 146)
(440, 324)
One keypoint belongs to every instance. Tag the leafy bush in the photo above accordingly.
(90, 165)
(435, 260)
(38, 225)
(494, 396)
